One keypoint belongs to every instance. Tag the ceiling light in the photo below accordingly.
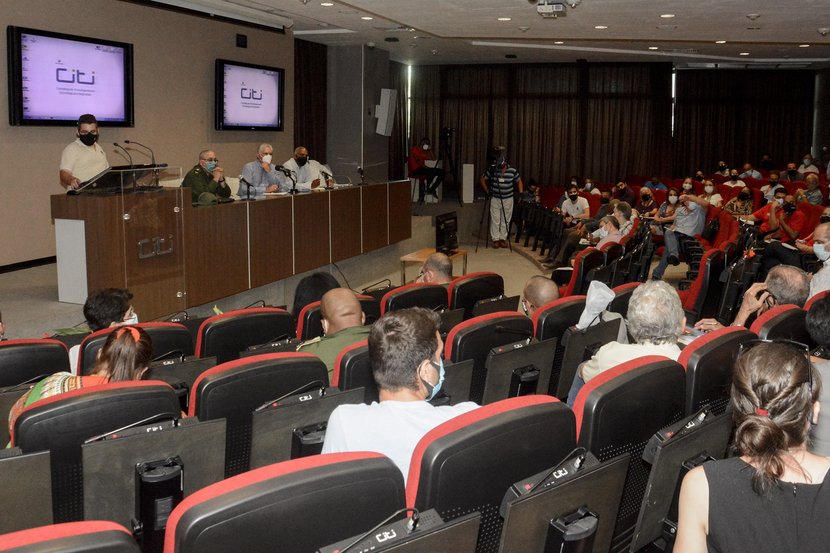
(653, 48)
(667, 15)
(558, 42)
(753, 16)
(524, 28)
(600, 27)
(803, 45)
(744, 54)
(574, 3)
(327, 4)
(505, 18)
(823, 31)
(720, 42)
(366, 18)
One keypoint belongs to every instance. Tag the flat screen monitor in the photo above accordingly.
(54, 78)
(446, 232)
(249, 97)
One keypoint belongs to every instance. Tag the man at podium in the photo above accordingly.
(84, 158)
(206, 179)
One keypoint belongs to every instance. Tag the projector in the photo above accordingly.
(551, 9)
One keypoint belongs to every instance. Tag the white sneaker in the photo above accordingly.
(432, 198)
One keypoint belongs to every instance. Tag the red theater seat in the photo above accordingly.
(31, 360)
(167, 338)
(783, 322)
(416, 294)
(224, 336)
(92, 536)
(465, 291)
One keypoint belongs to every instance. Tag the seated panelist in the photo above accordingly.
(304, 171)
(206, 179)
(261, 175)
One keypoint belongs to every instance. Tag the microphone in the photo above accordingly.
(283, 169)
(117, 145)
(242, 179)
(362, 175)
(152, 155)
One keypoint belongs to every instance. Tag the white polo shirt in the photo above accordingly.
(84, 162)
(574, 209)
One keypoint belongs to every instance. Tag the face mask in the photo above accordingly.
(792, 172)
(743, 196)
(789, 208)
(132, 320)
(604, 200)
(573, 182)
(88, 139)
(433, 390)
(825, 219)
(573, 197)
(687, 186)
(589, 185)
(672, 200)
(780, 201)
(645, 198)
(807, 162)
(302, 161)
(733, 177)
(425, 147)
(709, 189)
(501, 161)
(603, 233)
(773, 183)
(821, 252)
(210, 166)
(721, 167)
(267, 158)
(698, 178)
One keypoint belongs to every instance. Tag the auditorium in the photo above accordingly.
(364, 275)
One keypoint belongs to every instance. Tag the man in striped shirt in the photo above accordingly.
(498, 182)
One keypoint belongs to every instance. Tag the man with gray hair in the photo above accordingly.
(655, 321)
(539, 290)
(437, 269)
(259, 176)
(821, 247)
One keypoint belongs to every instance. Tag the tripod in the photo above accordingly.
(445, 155)
(486, 229)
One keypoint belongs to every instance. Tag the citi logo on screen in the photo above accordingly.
(72, 76)
(250, 94)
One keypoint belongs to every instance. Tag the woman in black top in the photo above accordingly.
(774, 497)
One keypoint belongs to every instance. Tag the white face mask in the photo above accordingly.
(672, 200)
(780, 201)
(821, 252)
(687, 186)
(425, 147)
(709, 189)
(603, 232)
(267, 158)
(132, 320)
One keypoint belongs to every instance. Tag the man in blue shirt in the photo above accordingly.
(689, 220)
(260, 175)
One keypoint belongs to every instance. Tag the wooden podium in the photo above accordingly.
(173, 256)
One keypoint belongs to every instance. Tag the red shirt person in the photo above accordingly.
(429, 178)
(780, 218)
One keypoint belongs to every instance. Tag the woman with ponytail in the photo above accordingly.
(773, 497)
(126, 355)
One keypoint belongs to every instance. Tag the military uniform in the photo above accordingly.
(329, 347)
(200, 181)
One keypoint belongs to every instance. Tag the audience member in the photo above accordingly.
(206, 180)
(655, 321)
(780, 219)
(821, 248)
(260, 176)
(499, 181)
(687, 186)
(588, 186)
(813, 193)
(709, 194)
(83, 158)
(538, 291)
(570, 242)
(734, 179)
(305, 172)
(609, 231)
(655, 184)
(311, 289)
(342, 319)
(665, 215)
(767, 163)
(740, 205)
(722, 169)
(429, 178)
(772, 186)
(784, 285)
(768, 498)
(437, 269)
(818, 325)
(405, 351)
(126, 355)
(575, 207)
(791, 174)
(689, 219)
(646, 207)
(105, 308)
(807, 165)
(750, 172)
(699, 176)
(623, 192)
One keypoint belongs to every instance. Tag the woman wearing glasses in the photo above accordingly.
(774, 497)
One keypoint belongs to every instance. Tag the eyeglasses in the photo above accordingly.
(798, 347)
(216, 159)
(524, 306)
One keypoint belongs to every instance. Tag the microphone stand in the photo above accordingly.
(117, 145)
(248, 185)
(152, 160)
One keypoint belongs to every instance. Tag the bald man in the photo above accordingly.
(304, 170)
(538, 291)
(437, 269)
(343, 320)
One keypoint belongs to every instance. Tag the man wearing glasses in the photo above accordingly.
(206, 180)
(84, 158)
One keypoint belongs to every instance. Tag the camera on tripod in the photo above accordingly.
(446, 134)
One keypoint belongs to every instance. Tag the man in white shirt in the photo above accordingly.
(575, 206)
(821, 247)
(304, 171)
(84, 158)
(807, 165)
(405, 350)
(734, 179)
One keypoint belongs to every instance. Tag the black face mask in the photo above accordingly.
(789, 208)
(302, 161)
(573, 197)
(743, 196)
(645, 197)
(698, 178)
(721, 167)
(792, 172)
(604, 200)
(88, 139)
(773, 183)
(824, 219)
(734, 177)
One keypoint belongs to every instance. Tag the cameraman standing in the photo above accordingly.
(498, 182)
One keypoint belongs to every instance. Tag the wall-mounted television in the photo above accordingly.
(54, 78)
(248, 96)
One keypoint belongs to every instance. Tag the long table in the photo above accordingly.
(172, 255)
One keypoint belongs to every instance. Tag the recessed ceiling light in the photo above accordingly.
(366, 18)
(720, 42)
(504, 18)
(803, 45)
(744, 54)
(558, 42)
(653, 48)
(600, 27)
(327, 4)
(667, 15)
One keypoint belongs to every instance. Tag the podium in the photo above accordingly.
(173, 255)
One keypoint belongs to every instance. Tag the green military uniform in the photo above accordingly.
(329, 347)
(200, 181)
